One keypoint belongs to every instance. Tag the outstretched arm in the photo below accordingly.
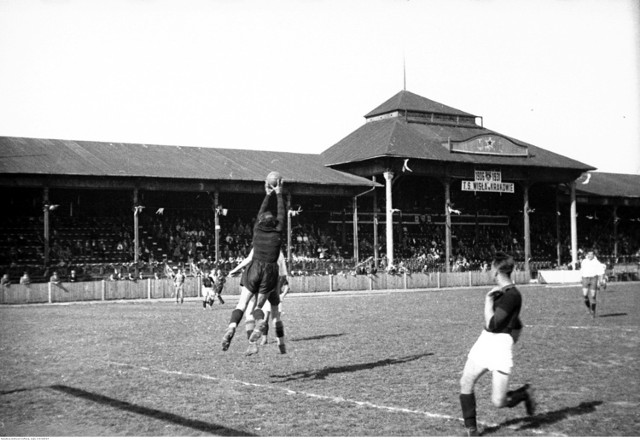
(281, 213)
(244, 262)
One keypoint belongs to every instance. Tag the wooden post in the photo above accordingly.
(447, 213)
(615, 232)
(388, 176)
(375, 227)
(50, 288)
(104, 290)
(574, 227)
(45, 209)
(216, 220)
(288, 208)
(136, 232)
(527, 232)
(148, 288)
(558, 239)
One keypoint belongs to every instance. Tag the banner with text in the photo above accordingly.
(487, 181)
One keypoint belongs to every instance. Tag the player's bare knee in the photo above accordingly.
(466, 384)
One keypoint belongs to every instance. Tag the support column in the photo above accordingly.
(375, 226)
(356, 250)
(558, 238)
(288, 208)
(45, 210)
(388, 176)
(136, 237)
(216, 220)
(574, 226)
(447, 224)
(527, 230)
(615, 232)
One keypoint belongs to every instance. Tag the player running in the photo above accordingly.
(218, 284)
(261, 275)
(493, 349)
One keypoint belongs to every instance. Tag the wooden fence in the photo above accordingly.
(157, 289)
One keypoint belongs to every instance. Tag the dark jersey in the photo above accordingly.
(506, 310)
(207, 281)
(267, 240)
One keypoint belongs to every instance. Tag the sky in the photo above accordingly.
(299, 75)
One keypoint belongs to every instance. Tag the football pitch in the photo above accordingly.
(365, 364)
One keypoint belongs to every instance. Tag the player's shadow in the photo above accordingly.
(322, 373)
(210, 428)
(317, 337)
(609, 315)
(547, 418)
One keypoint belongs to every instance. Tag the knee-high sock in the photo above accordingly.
(468, 404)
(516, 396)
(280, 332)
(236, 316)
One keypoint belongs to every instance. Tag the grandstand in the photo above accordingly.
(447, 191)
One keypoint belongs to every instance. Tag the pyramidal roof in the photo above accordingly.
(405, 100)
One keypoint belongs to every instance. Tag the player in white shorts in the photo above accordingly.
(493, 349)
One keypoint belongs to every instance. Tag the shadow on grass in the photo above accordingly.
(547, 418)
(609, 315)
(317, 337)
(324, 372)
(218, 430)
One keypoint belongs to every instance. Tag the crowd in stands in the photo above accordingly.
(104, 247)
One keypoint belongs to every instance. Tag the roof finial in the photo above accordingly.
(404, 73)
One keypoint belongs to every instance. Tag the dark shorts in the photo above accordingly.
(262, 278)
(590, 282)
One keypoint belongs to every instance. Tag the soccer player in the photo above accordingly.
(493, 349)
(271, 311)
(590, 270)
(261, 275)
(218, 284)
(247, 300)
(179, 285)
(207, 290)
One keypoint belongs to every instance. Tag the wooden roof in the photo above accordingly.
(109, 159)
(405, 100)
(597, 184)
(406, 137)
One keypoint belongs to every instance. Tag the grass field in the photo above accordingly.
(360, 364)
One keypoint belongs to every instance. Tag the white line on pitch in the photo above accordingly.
(321, 397)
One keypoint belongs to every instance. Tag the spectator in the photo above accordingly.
(24, 279)
(54, 278)
(5, 282)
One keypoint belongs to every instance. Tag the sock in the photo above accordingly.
(280, 332)
(468, 404)
(249, 326)
(586, 303)
(516, 396)
(236, 316)
(204, 304)
(266, 330)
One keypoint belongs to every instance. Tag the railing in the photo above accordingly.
(157, 289)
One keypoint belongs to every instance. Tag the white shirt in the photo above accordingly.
(591, 268)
